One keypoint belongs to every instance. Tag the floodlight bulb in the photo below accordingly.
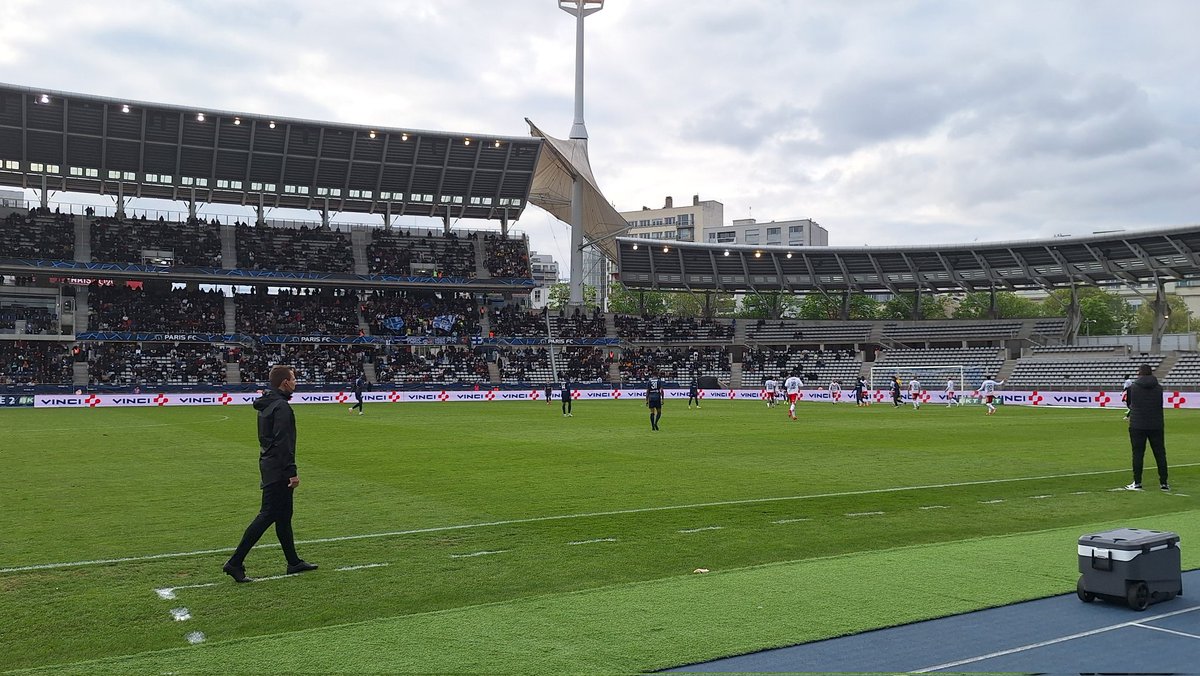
(125, 108)
(372, 134)
(466, 142)
(635, 247)
(666, 249)
(45, 98)
(403, 137)
(272, 125)
(237, 120)
(497, 144)
(199, 117)
(727, 252)
(789, 254)
(758, 254)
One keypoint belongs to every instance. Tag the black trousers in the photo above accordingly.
(566, 406)
(1138, 439)
(359, 404)
(276, 509)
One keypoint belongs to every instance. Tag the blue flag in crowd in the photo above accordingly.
(394, 323)
(445, 322)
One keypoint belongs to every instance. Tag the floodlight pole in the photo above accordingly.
(579, 9)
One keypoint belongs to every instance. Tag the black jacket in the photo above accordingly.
(276, 437)
(1145, 404)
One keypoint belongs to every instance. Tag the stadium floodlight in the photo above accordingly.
(404, 136)
(635, 246)
(125, 108)
(237, 121)
(199, 117)
(727, 252)
(45, 98)
(466, 142)
(666, 249)
(372, 134)
(497, 143)
(272, 124)
(758, 254)
(789, 254)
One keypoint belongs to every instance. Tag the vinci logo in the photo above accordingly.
(1035, 398)
(341, 398)
(225, 399)
(1103, 399)
(443, 396)
(161, 400)
(879, 394)
(535, 395)
(1176, 400)
(616, 394)
(491, 395)
(91, 400)
(393, 396)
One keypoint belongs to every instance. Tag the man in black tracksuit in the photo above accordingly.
(360, 384)
(1146, 424)
(277, 465)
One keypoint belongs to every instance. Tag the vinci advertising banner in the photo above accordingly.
(1035, 398)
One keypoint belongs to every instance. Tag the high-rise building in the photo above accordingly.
(544, 268)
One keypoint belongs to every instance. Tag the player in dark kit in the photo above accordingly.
(359, 385)
(693, 395)
(549, 392)
(896, 394)
(566, 399)
(860, 392)
(654, 400)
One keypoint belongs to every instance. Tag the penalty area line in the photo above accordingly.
(585, 515)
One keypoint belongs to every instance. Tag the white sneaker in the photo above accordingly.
(1134, 487)
(360, 412)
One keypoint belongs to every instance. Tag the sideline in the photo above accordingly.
(562, 517)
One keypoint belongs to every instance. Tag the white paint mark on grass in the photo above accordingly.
(1081, 493)
(697, 530)
(1040, 497)
(990, 502)
(592, 542)
(195, 637)
(586, 515)
(181, 614)
(935, 507)
(168, 593)
(792, 520)
(1180, 495)
(363, 566)
(857, 514)
(473, 554)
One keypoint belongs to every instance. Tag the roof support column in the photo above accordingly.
(121, 200)
(1074, 316)
(45, 194)
(576, 297)
(446, 222)
(504, 224)
(259, 211)
(192, 204)
(1162, 314)
(916, 306)
(993, 309)
(845, 314)
(387, 215)
(325, 213)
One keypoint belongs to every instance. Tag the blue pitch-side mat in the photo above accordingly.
(1016, 631)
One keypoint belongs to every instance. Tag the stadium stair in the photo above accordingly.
(493, 373)
(369, 372)
(735, 375)
(481, 268)
(230, 315)
(79, 373)
(359, 238)
(228, 247)
(1167, 364)
(81, 309)
(233, 373)
(83, 240)
(1006, 370)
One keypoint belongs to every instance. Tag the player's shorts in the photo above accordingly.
(988, 399)
(654, 401)
(792, 397)
(950, 394)
(770, 395)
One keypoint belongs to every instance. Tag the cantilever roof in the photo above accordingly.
(1126, 257)
(102, 145)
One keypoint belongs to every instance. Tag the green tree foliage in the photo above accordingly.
(1179, 321)
(821, 306)
(560, 294)
(933, 306)
(773, 305)
(1008, 306)
(1104, 313)
(685, 304)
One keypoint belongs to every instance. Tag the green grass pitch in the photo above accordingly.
(519, 541)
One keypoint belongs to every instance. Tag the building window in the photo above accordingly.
(303, 189)
(129, 176)
(795, 229)
(773, 235)
(289, 189)
(726, 237)
(687, 219)
(12, 164)
(222, 183)
(322, 192)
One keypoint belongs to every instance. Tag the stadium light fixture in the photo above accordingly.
(237, 121)
(404, 136)
(789, 254)
(466, 142)
(272, 125)
(125, 108)
(758, 254)
(635, 246)
(666, 249)
(372, 134)
(199, 117)
(497, 143)
(45, 98)
(727, 252)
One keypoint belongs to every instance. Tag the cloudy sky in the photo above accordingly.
(888, 122)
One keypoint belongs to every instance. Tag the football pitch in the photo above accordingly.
(503, 537)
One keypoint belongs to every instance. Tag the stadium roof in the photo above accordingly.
(90, 144)
(1125, 257)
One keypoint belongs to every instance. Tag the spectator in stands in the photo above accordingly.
(1146, 424)
(123, 308)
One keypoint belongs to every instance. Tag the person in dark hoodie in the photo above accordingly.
(277, 465)
(1146, 424)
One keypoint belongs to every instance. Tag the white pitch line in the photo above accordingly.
(791, 520)
(592, 542)
(1081, 492)
(1169, 631)
(854, 514)
(363, 566)
(935, 507)
(1040, 497)
(473, 554)
(167, 593)
(990, 502)
(560, 517)
(697, 530)
(1061, 639)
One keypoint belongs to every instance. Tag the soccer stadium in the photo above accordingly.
(482, 491)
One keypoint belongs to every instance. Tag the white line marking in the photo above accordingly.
(1040, 497)
(935, 507)
(1061, 639)
(467, 556)
(591, 542)
(167, 593)
(791, 520)
(1169, 631)
(560, 517)
(195, 637)
(697, 530)
(1081, 492)
(990, 502)
(364, 566)
(1181, 495)
(181, 614)
(853, 514)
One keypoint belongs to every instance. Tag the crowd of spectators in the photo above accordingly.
(34, 320)
(301, 249)
(27, 362)
(124, 308)
(584, 364)
(448, 365)
(526, 365)
(507, 257)
(307, 312)
(580, 324)
(681, 365)
(423, 313)
(134, 364)
(670, 328)
(314, 364)
(393, 253)
(40, 233)
(513, 320)
(193, 243)
(809, 363)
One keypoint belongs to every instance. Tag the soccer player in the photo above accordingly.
(896, 395)
(860, 392)
(987, 389)
(693, 394)
(835, 391)
(914, 393)
(770, 386)
(793, 385)
(566, 398)
(654, 397)
(359, 384)
(1125, 394)
(950, 401)
(549, 391)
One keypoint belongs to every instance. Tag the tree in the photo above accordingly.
(1008, 306)
(1103, 313)
(933, 306)
(698, 304)
(560, 294)
(771, 305)
(821, 306)
(1177, 310)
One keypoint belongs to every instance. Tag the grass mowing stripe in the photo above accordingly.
(648, 625)
(557, 517)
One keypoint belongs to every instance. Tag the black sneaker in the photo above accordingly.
(238, 573)
(301, 567)
(1165, 486)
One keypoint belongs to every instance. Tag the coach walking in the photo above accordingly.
(1146, 424)
(277, 464)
